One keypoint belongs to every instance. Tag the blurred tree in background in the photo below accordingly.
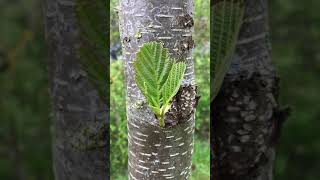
(25, 142)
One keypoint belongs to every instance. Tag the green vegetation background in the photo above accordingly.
(25, 105)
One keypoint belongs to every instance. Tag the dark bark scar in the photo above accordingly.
(126, 40)
(185, 45)
(185, 21)
(183, 105)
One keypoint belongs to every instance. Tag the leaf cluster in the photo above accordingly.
(158, 77)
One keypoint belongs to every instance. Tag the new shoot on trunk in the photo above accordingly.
(158, 77)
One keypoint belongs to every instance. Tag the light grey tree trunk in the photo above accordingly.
(154, 152)
(80, 124)
(246, 116)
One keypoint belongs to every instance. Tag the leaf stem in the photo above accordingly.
(161, 121)
(161, 115)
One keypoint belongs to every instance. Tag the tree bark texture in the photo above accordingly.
(80, 124)
(155, 152)
(246, 116)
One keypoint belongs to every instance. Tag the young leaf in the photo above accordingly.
(152, 66)
(226, 22)
(158, 77)
(172, 84)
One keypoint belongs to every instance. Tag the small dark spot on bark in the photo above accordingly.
(126, 39)
(185, 21)
(263, 83)
(236, 83)
(275, 89)
(76, 76)
(185, 45)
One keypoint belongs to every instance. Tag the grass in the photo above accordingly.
(201, 160)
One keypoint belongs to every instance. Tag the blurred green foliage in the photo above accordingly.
(118, 123)
(295, 33)
(25, 142)
(114, 25)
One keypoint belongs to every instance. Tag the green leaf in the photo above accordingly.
(172, 84)
(226, 21)
(157, 76)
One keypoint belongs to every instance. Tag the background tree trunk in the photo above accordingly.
(154, 152)
(80, 125)
(246, 117)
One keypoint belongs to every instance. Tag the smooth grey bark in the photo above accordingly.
(246, 116)
(80, 124)
(154, 152)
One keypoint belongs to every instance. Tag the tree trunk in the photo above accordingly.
(246, 115)
(155, 152)
(80, 124)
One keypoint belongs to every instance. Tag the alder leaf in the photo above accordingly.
(158, 77)
(172, 84)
